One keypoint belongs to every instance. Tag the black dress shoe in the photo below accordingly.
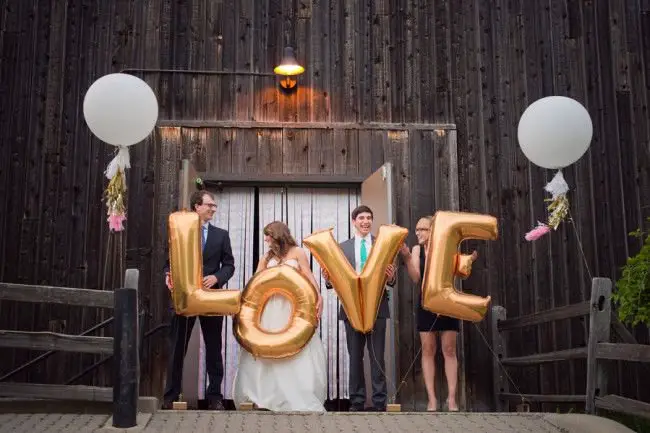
(216, 404)
(167, 405)
(356, 409)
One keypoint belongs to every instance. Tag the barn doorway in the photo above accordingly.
(244, 211)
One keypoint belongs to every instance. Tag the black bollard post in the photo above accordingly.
(126, 353)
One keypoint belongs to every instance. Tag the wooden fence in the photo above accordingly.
(124, 346)
(598, 350)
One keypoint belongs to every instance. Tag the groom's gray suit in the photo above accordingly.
(376, 341)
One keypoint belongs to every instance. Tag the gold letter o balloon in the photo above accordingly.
(280, 280)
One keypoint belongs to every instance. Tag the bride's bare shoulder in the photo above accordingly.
(296, 253)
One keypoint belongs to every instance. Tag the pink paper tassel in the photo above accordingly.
(537, 232)
(115, 222)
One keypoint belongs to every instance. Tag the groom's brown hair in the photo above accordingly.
(361, 209)
(196, 199)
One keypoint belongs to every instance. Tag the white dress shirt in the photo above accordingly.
(357, 249)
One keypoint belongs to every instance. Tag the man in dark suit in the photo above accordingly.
(218, 268)
(357, 250)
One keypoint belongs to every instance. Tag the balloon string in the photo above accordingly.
(582, 251)
(402, 380)
(496, 357)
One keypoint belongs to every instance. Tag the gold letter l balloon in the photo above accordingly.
(190, 299)
(186, 265)
(448, 230)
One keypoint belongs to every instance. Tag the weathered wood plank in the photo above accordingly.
(559, 313)
(617, 403)
(500, 383)
(57, 392)
(54, 341)
(623, 352)
(599, 332)
(312, 179)
(56, 295)
(302, 125)
(558, 355)
(543, 398)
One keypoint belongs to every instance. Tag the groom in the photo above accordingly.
(357, 250)
(218, 268)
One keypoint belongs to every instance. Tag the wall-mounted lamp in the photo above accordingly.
(289, 68)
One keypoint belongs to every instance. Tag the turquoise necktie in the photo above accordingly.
(363, 254)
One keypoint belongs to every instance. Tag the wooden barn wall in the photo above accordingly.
(474, 63)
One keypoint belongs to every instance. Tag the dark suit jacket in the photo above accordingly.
(348, 251)
(217, 256)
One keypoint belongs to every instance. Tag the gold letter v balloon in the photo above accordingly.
(191, 299)
(448, 230)
(360, 294)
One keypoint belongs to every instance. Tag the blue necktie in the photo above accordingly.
(204, 237)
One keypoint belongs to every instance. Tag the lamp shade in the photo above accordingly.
(289, 65)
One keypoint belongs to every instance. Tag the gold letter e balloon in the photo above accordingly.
(191, 299)
(448, 230)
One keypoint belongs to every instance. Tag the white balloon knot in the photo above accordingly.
(120, 162)
(557, 186)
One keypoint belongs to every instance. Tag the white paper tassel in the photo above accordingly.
(557, 186)
(121, 161)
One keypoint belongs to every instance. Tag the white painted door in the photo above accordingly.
(306, 210)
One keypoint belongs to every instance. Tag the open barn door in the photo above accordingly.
(377, 193)
(190, 386)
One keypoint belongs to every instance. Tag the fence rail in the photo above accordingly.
(56, 295)
(598, 350)
(124, 346)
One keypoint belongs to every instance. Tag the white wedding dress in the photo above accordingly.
(298, 383)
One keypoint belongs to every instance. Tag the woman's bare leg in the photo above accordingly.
(448, 340)
(428, 341)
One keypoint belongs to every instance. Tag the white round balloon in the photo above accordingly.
(554, 132)
(120, 109)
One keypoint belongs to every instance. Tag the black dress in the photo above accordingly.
(428, 321)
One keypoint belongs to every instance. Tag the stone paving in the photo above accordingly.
(249, 422)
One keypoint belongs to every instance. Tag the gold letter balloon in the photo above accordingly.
(186, 266)
(280, 280)
(191, 299)
(360, 294)
(448, 230)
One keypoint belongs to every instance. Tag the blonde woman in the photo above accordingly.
(429, 324)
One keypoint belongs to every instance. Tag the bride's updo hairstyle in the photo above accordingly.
(281, 239)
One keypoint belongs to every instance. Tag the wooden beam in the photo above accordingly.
(616, 403)
(56, 295)
(566, 312)
(600, 320)
(499, 381)
(238, 124)
(223, 179)
(54, 341)
(540, 358)
(623, 352)
(622, 331)
(56, 392)
(186, 184)
(543, 398)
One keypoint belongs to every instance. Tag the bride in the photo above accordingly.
(298, 383)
